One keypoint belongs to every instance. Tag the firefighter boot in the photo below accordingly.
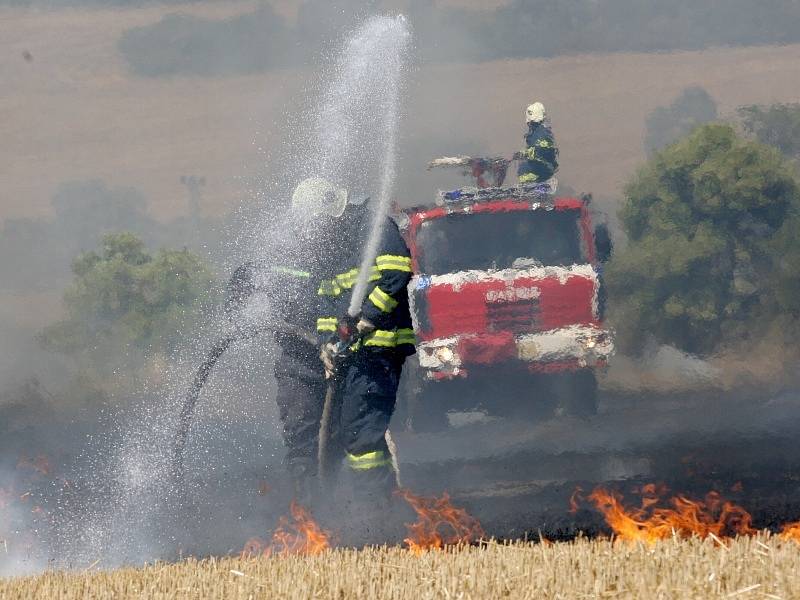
(371, 505)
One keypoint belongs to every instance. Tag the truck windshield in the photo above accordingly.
(502, 240)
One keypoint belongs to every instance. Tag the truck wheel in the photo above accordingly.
(576, 393)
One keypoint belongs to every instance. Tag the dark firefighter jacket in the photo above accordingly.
(386, 301)
(541, 155)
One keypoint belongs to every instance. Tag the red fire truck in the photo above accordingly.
(508, 303)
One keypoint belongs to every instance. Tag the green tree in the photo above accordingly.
(124, 300)
(713, 251)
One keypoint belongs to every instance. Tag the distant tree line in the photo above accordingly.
(666, 124)
(70, 3)
(262, 39)
(777, 125)
(40, 249)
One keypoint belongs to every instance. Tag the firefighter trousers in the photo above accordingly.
(300, 397)
(369, 393)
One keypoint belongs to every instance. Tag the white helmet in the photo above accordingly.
(317, 196)
(535, 113)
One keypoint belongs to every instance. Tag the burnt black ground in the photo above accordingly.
(515, 477)
(739, 444)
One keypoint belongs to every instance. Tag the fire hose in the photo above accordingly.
(328, 456)
(201, 376)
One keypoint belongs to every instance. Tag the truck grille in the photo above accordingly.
(518, 316)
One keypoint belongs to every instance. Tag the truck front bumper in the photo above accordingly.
(567, 348)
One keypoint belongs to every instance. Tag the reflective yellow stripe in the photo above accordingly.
(348, 279)
(406, 336)
(381, 337)
(370, 460)
(290, 271)
(544, 144)
(382, 300)
(327, 323)
(385, 338)
(528, 178)
(329, 287)
(391, 262)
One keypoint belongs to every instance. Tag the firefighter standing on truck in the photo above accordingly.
(539, 161)
(369, 381)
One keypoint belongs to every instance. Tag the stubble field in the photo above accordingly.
(761, 566)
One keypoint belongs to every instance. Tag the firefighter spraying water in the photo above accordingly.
(363, 354)
(340, 267)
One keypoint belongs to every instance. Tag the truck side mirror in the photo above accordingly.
(602, 243)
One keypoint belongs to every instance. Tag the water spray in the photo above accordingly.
(380, 209)
(356, 125)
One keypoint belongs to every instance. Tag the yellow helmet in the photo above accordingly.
(535, 113)
(317, 196)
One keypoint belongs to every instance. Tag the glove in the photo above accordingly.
(363, 326)
(326, 354)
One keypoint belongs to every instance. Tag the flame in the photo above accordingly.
(790, 531)
(300, 535)
(573, 500)
(712, 516)
(439, 523)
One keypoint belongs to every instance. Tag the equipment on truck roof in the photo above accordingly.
(494, 167)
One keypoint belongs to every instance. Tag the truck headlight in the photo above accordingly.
(445, 355)
(591, 340)
(437, 356)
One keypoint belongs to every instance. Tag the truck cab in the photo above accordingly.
(507, 301)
